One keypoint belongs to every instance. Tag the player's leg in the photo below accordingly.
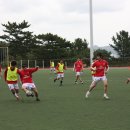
(25, 88)
(16, 87)
(81, 81)
(77, 77)
(12, 89)
(57, 78)
(104, 79)
(92, 86)
(128, 80)
(34, 89)
(61, 77)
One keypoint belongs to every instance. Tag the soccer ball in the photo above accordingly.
(28, 93)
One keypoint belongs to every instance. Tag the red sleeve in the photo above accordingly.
(57, 67)
(93, 65)
(31, 70)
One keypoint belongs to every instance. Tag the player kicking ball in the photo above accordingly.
(28, 85)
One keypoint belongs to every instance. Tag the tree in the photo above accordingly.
(105, 53)
(80, 48)
(53, 46)
(122, 43)
(19, 40)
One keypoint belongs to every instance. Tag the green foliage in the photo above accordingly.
(122, 43)
(19, 40)
(80, 48)
(105, 53)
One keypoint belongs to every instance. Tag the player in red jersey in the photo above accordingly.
(27, 81)
(78, 68)
(93, 70)
(101, 67)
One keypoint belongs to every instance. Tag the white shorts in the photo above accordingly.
(52, 68)
(60, 75)
(13, 86)
(97, 79)
(28, 86)
(78, 73)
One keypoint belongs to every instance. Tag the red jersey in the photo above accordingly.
(101, 67)
(78, 66)
(26, 75)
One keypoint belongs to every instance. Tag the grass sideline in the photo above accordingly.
(65, 108)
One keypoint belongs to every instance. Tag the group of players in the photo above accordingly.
(11, 78)
(99, 69)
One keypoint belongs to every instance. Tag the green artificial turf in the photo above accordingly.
(65, 107)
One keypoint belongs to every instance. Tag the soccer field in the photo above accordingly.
(65, 107)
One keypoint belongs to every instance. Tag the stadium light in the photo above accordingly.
(91, 30)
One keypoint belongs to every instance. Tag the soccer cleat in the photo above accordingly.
(106, 97)
(37, 99)
(127, 81)
(76, 82)
(87, 94)
(54, 80)
(61, 83)
(32, 95)
(82, 82)
(17, 97)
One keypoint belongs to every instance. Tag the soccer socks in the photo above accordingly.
(105, 96)
(61, 82)
(87, 94)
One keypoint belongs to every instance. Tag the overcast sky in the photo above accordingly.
(69, 18)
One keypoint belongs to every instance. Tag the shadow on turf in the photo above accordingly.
(20, 101)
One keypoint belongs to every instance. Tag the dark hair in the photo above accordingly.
(13, 63)
(23, 66)
(100, 54)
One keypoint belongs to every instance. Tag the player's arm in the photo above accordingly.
(57, 68)
(5, 74)
(93, 67)
(64, 68)
(106, 68)
(34, 69)
(74, 67)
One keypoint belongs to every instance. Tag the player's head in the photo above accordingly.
(24, 66)
(94, 59)
(13, 64)
(61, 61)
(99, 55)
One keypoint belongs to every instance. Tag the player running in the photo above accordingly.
(78, 68)
(101, 67)
(11, 78)
(27, 82)
(60, 72)
(52, 66)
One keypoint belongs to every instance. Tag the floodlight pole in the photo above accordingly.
(7, 56)
(91, 31)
